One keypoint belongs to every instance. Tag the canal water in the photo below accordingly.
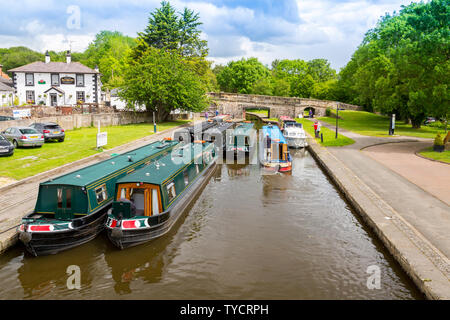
(247, 236)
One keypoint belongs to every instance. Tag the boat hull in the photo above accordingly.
(45, 243)
(296, 142)
(162, 223)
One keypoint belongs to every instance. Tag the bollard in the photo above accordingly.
(321, 137)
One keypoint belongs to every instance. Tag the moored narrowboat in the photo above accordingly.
(149, 201)
(274, 151)
(218, 134)
(243, 140)
(71, 209)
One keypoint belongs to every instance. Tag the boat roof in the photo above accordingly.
(166, 167)
(97, 171)
(274, 133)
(243, 129)
(286, 118)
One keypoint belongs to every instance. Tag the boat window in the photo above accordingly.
(171, 191)
(155, 204)
(68, 198)
(138, 199)
(197, 169)
(186, 177)
(59, 194)
(123, 193)
(100, 194)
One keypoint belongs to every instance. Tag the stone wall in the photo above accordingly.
(69, 122)
(43, 111)
(234, 104)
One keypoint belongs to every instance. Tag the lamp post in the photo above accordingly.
(154, 123)
(337, 119)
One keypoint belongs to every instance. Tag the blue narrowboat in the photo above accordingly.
(274, 151)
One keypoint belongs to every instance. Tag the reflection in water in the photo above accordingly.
(247, 236)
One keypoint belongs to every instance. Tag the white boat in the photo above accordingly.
(294, 134)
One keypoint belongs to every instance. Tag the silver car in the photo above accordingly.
(24, 137)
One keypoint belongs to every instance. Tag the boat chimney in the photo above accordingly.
(47, 57)
(68, 57)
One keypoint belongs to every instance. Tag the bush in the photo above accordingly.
(328, 112)
(438, 141)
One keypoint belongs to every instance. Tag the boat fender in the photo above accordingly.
(116, 233)
(25, 237)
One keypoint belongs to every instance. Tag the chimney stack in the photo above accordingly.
(47, 57)
(68, 57)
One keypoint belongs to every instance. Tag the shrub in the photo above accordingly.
(328, 112)
(438, 141)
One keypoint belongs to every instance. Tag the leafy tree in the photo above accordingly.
(402, 66)
(240, 76)
(263, 86)
(162, 81)
(18, 56)
(321, 70)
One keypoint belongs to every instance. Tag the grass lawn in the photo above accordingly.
(441, 156)
(371, 124)
(265, 113)
(79, 143)
(328, 135)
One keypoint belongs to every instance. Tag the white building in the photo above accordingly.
(56, 83)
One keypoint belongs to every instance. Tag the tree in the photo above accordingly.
(168, 30)
(321, 70)
(402, 66)
(18, 56)
(240, 76)
(162, 81)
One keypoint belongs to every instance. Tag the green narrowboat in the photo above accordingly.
(243, 140)
(71, 209)
(149, 201)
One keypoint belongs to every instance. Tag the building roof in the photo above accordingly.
(5, 87)
(54, 67)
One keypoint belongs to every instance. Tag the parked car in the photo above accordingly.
(6, 118)
(50, 130)
(6, 147)
(429, 120)
(24, 137)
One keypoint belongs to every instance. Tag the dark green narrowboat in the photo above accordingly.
(71, 209)
(243, 141)
(149, 201)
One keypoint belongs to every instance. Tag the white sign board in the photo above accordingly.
(22, 113)
(102, 139)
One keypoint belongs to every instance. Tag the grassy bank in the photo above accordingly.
(371, 124)
(328, 135)
(441, 156)
(264, 113)
(79, 144)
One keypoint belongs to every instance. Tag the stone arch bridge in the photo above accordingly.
(235, 104)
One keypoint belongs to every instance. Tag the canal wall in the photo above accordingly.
(19, 198)
(424, 264)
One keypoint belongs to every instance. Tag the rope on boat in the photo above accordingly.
(4, 231)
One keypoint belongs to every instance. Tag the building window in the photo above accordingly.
(29, 79)
(80, 96)
(55, 79)
(80, 80)
(30, 96)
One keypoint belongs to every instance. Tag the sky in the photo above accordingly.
(267, 30)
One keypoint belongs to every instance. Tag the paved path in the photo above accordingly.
(401, 181)
(432, 176)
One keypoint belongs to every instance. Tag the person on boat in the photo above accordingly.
(268, 145)
(217, 113)
(206, 115)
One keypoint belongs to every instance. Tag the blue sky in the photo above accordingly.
(284, 29)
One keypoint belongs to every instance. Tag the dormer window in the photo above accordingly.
(29, 79)
(55, 79)
(80, 80)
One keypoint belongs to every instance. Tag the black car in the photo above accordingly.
(6, 147)
(6, 118)
(50, 130)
